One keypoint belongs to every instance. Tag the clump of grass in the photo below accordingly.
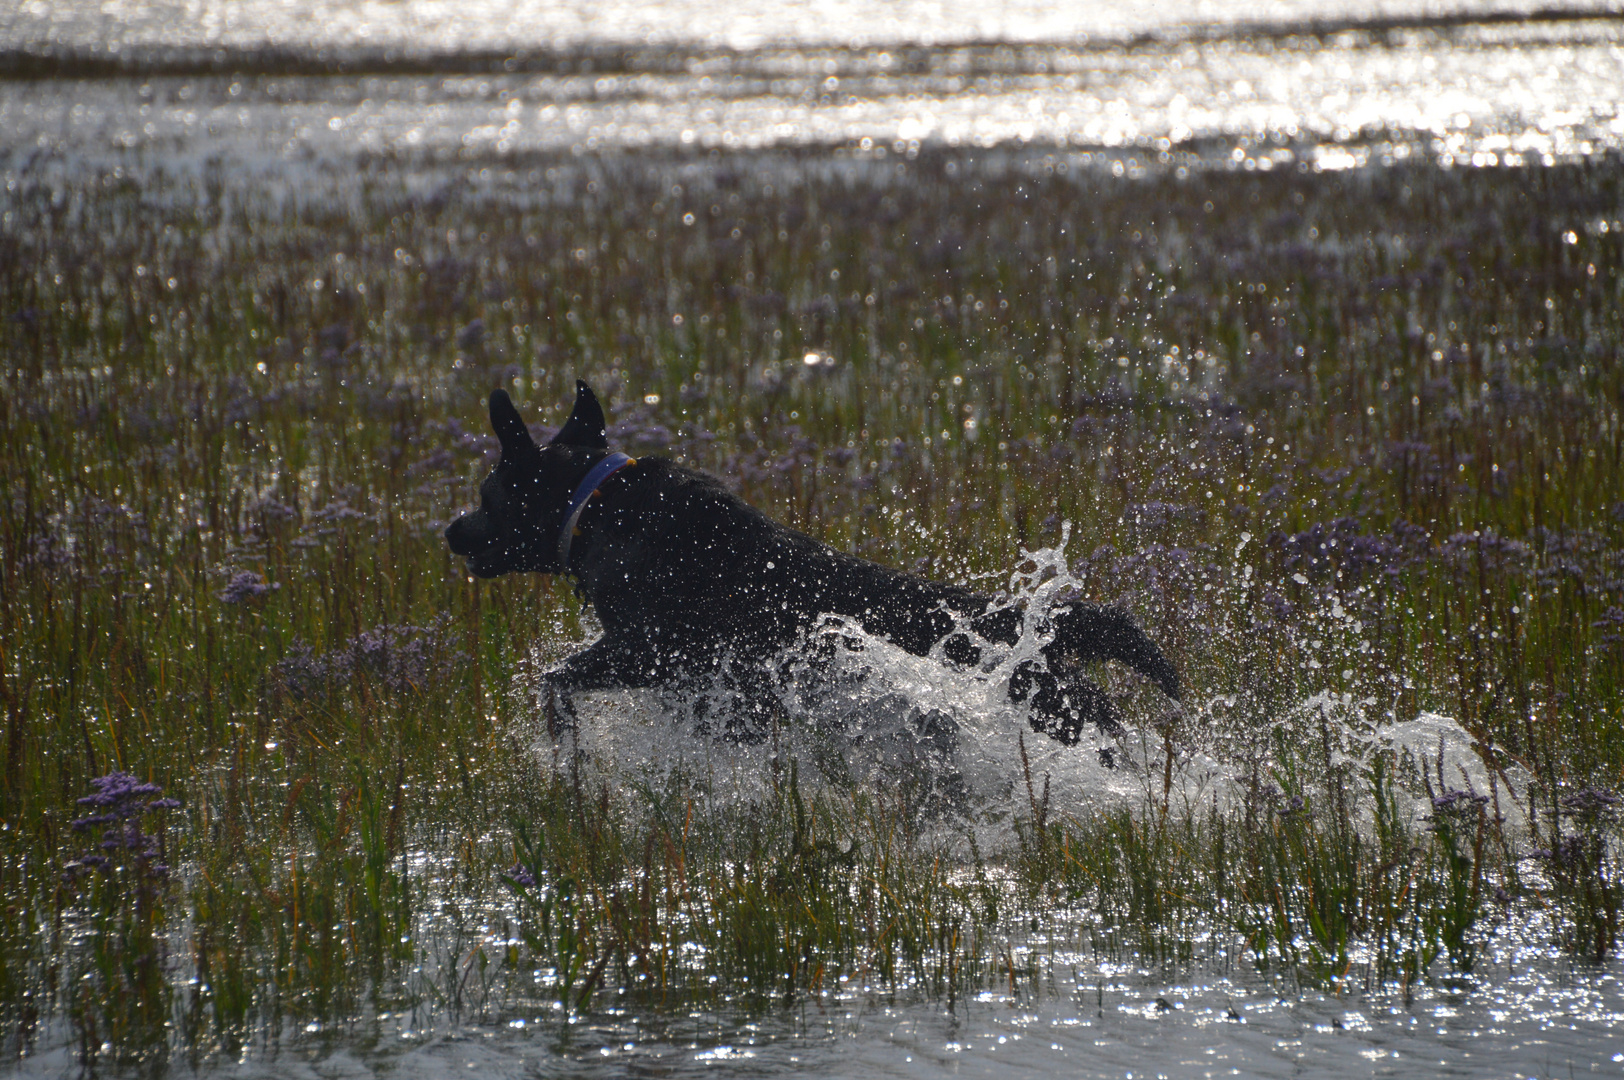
(778, 899)
(1352, 435)
(1583, 865)
(1305, 891)
(112, 897)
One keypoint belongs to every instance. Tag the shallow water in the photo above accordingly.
(444, 28)
(1297, 85)
(1086, 1019)
(1529, 1013)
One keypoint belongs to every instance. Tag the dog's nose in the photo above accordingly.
(456, 535)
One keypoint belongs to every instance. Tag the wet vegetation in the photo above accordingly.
(270, 770)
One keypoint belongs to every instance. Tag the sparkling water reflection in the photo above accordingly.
(438, 26)
(1490, 94)
(1528, 1014)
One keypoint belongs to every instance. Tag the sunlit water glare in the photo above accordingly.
(1526, 1015)
(1294, 86)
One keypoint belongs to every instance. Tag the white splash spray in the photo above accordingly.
(859, 711)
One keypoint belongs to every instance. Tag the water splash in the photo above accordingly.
(859, 713)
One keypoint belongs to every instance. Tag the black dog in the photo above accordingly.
(689, 581)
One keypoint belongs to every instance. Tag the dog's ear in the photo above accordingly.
(508, 425)
(586, 426)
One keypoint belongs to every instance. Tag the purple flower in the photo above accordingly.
(1457, 804)
(1155, 516)
(271, 511)
(121, 800)
(338, 510)
(1589, 803)
(245, 585)
(120, 793)
(1570, 853)
(1611, 626)
(518, 875)
(398, 658)
(47, 550)
(302, 671)
(640, 429)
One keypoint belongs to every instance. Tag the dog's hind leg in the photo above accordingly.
(1062, 706)
(1084, 632)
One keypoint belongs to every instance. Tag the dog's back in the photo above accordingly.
(672, 547)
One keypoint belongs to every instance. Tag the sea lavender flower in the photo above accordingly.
(302, 672)
(1291, 807)
(1610, 626)
(1493, 550)
(338, 509)
(1276, 609)
(271, 511)
(518, 875)
(400, 657)
(1568, 854)
(1457, 801)
(1154, 515)
(1454, 807)
(397, 658)
(1588, 804)
(245, 585)
(486, 446)
(640, 429)
(120, 800)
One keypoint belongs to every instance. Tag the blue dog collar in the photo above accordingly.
(600, 472)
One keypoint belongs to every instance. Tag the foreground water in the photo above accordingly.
(1069, 992)
(1529, 1014)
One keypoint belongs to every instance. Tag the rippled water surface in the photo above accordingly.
(1328, 84)
(447, 27)
(1526, 1014)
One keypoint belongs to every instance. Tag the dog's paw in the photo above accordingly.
(1062, 708)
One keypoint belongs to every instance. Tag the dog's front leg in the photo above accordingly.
(610, 663)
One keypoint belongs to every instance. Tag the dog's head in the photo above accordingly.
(522, 504)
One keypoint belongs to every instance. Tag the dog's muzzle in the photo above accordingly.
(470, 536)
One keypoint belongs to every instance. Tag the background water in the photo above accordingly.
(285, 88)
(1328, 84)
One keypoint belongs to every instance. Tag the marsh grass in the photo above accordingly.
(1350, 434)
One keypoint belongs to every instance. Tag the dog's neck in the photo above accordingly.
(584, 491)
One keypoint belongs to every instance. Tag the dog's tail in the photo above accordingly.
(1084, 632)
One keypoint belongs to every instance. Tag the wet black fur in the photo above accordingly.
(688, 580)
